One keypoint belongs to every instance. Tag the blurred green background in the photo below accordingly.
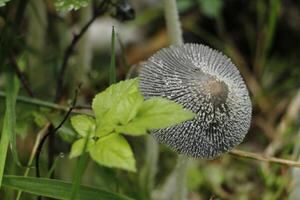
(261, 37)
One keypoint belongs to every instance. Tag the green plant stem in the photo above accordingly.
(172, 21)
(82, 162)
(52, 168)
(112, 69)
(37, 102)
(46, 104)
(180, 171)
(81, 165)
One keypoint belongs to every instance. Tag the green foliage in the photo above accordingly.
(78, 147)
(68, 5)
(57, 189)
(211, 8)
(8, 129)
(121, 109)
(3, 2)
(83, 125)
(105, 101)
(155, 113)
(113, 151)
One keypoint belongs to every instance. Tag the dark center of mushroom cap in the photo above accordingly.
(217, 90)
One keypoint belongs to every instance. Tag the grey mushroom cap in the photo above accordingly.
(206, 82)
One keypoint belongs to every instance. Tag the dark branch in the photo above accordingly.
(52, 131)
(21, 77)
(70, 49)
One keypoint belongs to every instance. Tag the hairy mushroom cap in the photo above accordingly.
(206, 82)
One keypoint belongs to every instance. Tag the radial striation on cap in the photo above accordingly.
(206, 82)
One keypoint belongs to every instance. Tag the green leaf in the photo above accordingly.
(121, 113)
(128, 108)
(78, 147)
(3, 2)
(57, 189)
(118, 104)
(113, 151)
(156, 113)
(83, 125)
(68, 5)
(112, 96)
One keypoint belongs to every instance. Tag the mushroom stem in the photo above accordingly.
(180, 171)
(172, 21)
(175, 37)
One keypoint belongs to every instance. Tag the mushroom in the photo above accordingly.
(206, 82)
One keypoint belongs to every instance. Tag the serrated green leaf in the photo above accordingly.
(127, 109)
(68, 5)
(113, 151)
(134, 128)
(83, 124)
(121, 113)
(78, 147)
(3, 2)
(156, 113)
(112, 96)
(118, 104)
(57, 189)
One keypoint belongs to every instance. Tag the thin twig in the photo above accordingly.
(260, 157)
(22, 77)
(51, 131)
(33, 152)
(70, 49)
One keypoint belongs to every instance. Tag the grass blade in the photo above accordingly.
(12, 89)
(112, 69)
(3, 147)
(81, 165)
(54, 188)
(8, 133)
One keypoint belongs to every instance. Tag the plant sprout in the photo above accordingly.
(206, 82)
